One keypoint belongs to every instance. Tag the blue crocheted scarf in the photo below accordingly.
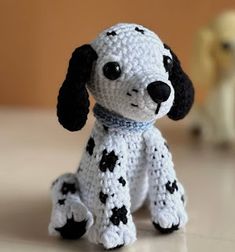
(115, 121)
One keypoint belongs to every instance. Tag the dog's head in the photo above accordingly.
(129, 71)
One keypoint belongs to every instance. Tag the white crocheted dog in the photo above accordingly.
(135, 79)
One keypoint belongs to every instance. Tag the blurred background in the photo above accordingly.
(37, 39)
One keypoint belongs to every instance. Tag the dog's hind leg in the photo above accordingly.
(70, 218)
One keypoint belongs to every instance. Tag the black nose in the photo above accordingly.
(159, 91)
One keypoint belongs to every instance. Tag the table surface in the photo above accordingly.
(35, 150)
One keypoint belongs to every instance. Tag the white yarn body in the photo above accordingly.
(134, 147)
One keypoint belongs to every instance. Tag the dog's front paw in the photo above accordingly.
(169, 220)
(113, 237)
(70, 219)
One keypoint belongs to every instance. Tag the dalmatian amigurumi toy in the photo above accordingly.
(135, 79)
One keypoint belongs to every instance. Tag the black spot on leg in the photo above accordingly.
(61, 201)
(72, 229)
(68, 188)
(90, 146)
(171, 187)
(175, 185)
(108, 161)
(122, 181)
(103, 197)
(119, 215)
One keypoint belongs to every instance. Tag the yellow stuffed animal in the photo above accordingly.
(213, 73)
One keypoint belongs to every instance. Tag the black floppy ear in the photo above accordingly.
(73, 100)
(184, 91)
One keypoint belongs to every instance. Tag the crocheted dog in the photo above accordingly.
(135, 79)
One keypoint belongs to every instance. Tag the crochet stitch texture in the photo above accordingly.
(135, 79)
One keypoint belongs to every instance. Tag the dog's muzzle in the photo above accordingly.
(159, 91)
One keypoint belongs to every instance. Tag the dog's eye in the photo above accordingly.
(112, 70)
(226, 46)
(168, 63)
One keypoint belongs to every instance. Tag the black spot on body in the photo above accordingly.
(112, 33)
(122, 181)
(108, 161)
(90, 146)
(171, 187)
(61, 201)
(103, 197)
(182, 198)
(68, 187)
(139, 30)
(119, 215)
(72, 229)
(105, 128)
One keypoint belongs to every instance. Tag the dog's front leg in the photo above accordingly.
(166, 193)
(113, 225)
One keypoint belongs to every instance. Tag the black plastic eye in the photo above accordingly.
(112, 70)
(168, 63)
(226, 46)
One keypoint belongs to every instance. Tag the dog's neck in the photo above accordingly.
(114, 121)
